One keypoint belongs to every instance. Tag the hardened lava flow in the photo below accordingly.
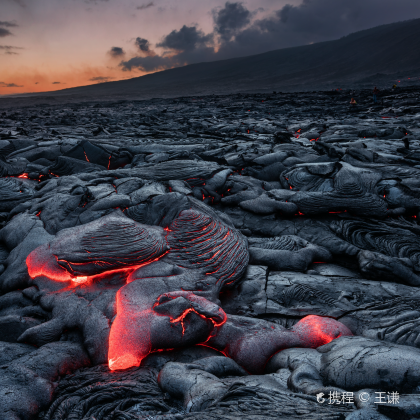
(179, 258)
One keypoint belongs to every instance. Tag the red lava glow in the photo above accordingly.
(86, 156)
(51, 269)
(37, 268)
(181, 319)
(194, 299)
(132, 331)
(22, 176)
(123, 362)
(130, 337)
(315, 331)
(209, 347)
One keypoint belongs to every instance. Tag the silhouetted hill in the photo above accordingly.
(381, 54)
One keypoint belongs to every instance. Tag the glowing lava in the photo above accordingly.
(148, 320)
(316, 331)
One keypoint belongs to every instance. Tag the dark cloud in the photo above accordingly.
(239, 33)
(315, 21)
(8, 49)
(188, 38)
(116, 52)
(100, 79)
(2, 84)
(283, 14)
(142, 44)
(183, 46)
(145, 6)
(229, 20)
(8, 24)
(150, 63)
(4, 32)
(56, 83)
(320, 20)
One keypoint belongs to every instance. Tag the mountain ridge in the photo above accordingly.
(388, 49)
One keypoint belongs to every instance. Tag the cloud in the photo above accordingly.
(116, 52)
(100, 79)
(4, 32)
(142, 44)
(181, 47)
(8, 49)
(145, 6)
(187, 38)
(315, 21)
(237, 32)
(150, 63)
(229, 20)
(56, 83)
(2, 84)
(189, 44)
(8, 24)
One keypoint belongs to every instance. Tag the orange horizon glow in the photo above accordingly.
(33, 82)
(56, 45)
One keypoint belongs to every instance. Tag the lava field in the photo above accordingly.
(246, 256)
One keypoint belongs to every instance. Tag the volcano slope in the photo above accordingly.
(220, 257)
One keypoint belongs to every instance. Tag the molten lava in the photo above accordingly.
(37, 268)
(148, 320)
(316, 331)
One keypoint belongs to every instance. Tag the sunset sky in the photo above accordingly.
(55, 44)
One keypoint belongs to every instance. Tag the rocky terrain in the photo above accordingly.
(247, 256)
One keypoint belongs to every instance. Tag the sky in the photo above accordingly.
(49, 45)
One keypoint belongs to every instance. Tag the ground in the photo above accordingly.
(244, 256)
